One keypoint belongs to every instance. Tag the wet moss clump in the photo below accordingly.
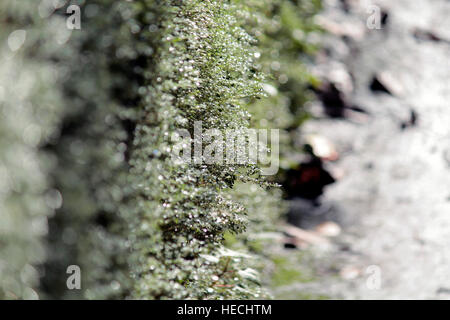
(179, 213)
(87, 176)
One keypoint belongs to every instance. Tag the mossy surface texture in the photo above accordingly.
(86, 172)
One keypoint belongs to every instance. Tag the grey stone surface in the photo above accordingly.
(393, 200)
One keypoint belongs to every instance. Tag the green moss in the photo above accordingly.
(283, 29)
(99, 188)
(289, 270)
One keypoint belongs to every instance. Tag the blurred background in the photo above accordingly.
(383, 118)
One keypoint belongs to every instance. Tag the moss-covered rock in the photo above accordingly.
(86, 170)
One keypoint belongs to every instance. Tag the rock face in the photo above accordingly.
(393, 202)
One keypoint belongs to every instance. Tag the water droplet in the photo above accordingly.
(54, 199)
(16, 39)
(115, 285)
(32, 135)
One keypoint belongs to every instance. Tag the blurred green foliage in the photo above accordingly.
(86, 176)
(287, 38)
